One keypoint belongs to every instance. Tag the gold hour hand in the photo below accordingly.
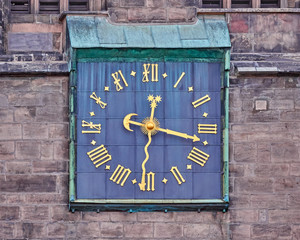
(179, 134)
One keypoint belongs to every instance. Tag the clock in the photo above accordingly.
(149, 131)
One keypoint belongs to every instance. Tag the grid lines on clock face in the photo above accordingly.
(175, 111)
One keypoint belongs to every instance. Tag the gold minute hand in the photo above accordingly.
(179, 134)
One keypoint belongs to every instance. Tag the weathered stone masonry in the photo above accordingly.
(264, 135)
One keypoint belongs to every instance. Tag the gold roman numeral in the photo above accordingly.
(117, 80)
(120, 175)
(207, 128)
(198, 156)
(99, 156)
(98, 100)
(91, 125)
(150, 181)
(201, 101)
(177, 175)
(154, 72)
(179, 79)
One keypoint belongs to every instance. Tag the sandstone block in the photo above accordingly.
(183, 3)
(9, 213)
(14, 167)
(243, 216)
(58, 131)
(239, 23)
(94, 216)
(28, 99)
(46, 198)
(7, 150)
(52, 84)
(52, 114)
(271, 231)
(3, 101)
(10, 132)
(112, 230)
(245, 152)
(47, 150)
(293, 200)
(155, 216)
(6, 116)
(88, 230)
(27, 150)
(25, 114)
(261, 105)
(35, 213)
(241, 42)
(295, 169)
(122, 217)
(35, 131)
(60, 150)
(253, 185)
(138, 230)
(269, 170)
(286, 184)
(282, 104)
(177, 14)
(31, 230)
(53, 99)
(6, 230)
(113, 3)
(48, 167)
(196, 231)
(57, 229)
(118, 15)
(61, 213)
(284, 152)
(240, 231)
(168, 230)
(24, 183)
(132, 3)
(10, 85)
(156, 3)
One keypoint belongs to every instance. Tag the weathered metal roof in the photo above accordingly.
(93, 31)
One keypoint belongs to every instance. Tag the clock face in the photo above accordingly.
(149, 130)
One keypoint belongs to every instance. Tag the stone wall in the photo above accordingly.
(264, 137)
(264, 168)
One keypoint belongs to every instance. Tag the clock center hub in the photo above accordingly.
(150, 126)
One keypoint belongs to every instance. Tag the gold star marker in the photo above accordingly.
(92, 114)
(189, 167)
(165, 75)
(205, 114)
(191, 89)
(106, 88)
(93, 142)
(164, 180)
(205, 143)
(133, 73)
(134, 181)
(107, 167)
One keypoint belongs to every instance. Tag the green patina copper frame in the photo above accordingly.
(129, 55)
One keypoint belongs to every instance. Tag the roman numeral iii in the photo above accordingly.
(120, 175)
(207, 128)
(197, 156)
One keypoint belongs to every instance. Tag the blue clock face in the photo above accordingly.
(149, 130)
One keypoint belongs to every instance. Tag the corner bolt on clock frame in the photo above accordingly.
(148, 125)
